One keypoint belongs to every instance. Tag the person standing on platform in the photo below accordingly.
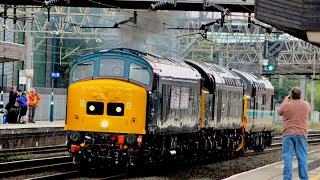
(23, 101)
(19, 92)
(12, 98)
(295, 114)
(33, 102)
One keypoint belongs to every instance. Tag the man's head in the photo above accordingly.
(33, 90)
(295, 93)
(13, 88)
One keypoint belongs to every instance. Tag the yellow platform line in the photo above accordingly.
(317, 177)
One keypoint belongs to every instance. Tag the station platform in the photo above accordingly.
(275, 171)
(39, 126)
(40, 133)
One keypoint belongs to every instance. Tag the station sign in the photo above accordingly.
(55, 75)
(22, 80)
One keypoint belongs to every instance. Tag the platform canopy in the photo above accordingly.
(299, 18)
(11, 52)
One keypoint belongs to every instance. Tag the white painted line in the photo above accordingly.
(253, 170)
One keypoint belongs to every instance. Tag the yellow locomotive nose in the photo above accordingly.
(106, 105)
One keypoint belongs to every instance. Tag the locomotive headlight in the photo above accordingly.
(104, 124)
(118, 109)
(92, 108)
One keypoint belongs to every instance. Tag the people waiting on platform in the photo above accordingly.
(33, 102)
(12, 98)
(23, 102)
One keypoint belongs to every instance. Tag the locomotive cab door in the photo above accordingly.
(206, 109)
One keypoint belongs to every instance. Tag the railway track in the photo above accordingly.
(49, 168)
(34, 166)
(312, 139)
(4, 154)
(74, 175)
(62, 168)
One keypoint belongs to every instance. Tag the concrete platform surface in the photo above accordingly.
(39, 126)
(41, 133)
(275, 171)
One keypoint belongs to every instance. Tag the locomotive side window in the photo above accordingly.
(179, 97)
(264, 99)
(272, 104)
(219, 105)
(111, 67)
(83, 71)
(139, 73)
(165, 101)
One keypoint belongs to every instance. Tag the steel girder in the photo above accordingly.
(242, 46)
(238, 44)
(174, 5)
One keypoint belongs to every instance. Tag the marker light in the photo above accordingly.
(118, 109)
(91, 108)
(104, 124)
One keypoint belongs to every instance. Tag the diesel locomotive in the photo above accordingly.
(127, 107)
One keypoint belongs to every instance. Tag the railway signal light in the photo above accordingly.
(271, 67)
(271, 51)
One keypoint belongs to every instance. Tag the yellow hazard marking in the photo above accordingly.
(128, 105)
(81, 103)
(317, 177)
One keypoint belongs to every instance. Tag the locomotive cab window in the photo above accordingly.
(111, 67)
(139, 73)
(83, 71)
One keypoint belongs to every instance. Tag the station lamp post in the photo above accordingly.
(55, 33)
(2, 73)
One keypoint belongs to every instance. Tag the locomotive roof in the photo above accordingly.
(165, 67)
(261, 82)
(220, 74)
(266, 82)
(246, 76)
(172, 68)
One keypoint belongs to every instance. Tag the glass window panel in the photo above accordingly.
(139, 73)
(111, 67)
(263, 99)
(83, 71)
(175, 97)
(184, 100)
